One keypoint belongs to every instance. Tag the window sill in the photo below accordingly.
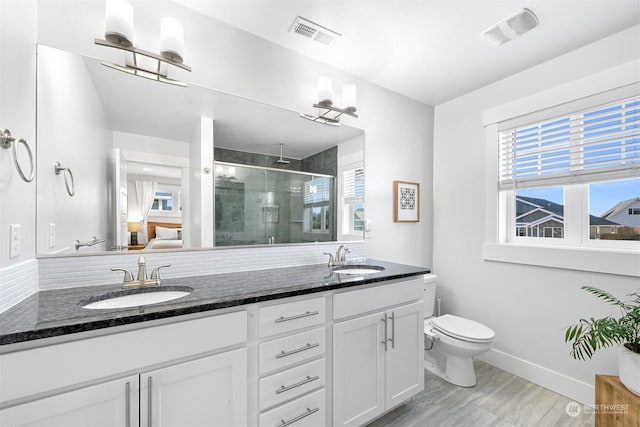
(608, 261)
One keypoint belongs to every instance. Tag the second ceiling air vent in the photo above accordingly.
(313, 31)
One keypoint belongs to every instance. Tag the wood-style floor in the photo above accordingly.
(498, 399)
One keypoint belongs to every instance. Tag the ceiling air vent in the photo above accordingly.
(313, 31)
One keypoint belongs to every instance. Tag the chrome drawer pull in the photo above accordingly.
(297, 350)
(309, 379)
(284, 423)
(297, 316)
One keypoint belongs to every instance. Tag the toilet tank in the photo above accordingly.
(429, 294)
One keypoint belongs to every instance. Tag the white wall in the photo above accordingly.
(398, 131)
(72, 130)
(18, 34)
(528, 307)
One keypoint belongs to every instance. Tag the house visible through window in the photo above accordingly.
(574, 178)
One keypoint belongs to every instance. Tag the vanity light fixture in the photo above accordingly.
(329, 114)
(510, 27)
(119, 34)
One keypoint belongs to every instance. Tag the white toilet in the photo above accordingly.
(451, 341)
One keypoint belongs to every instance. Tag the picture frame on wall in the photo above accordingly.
(406, 201)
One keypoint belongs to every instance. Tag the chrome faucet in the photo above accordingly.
(341, 257)
(142, 280)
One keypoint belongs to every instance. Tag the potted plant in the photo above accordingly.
(592, 334)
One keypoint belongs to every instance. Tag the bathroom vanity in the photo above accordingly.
(286, 346)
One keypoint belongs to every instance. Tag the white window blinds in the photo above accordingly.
(353, 185)
(601, 143)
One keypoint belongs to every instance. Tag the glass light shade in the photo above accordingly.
(118, 23)
(349, 96)
(172, 39)
(325, 90)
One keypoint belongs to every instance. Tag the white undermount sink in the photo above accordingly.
(136, 297)
(358, 269)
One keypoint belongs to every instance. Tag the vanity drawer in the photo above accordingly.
(308, 411)
(291, 383)
(275, 319)
(351, 303)
(286, 351)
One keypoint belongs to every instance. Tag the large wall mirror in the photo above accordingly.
(127, 164)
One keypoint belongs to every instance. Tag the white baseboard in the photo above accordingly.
(576, 390)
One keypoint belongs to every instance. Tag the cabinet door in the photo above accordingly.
(109, 404)
(404, 373)
(211, 391)
(358, 370)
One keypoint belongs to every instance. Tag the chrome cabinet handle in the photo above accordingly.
(149, 403)
(127, 404)
(297, 316)
(297, 350)
(393, 330)
(307, 380)
(384, 319)
(284, 423)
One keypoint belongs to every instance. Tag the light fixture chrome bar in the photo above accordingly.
(340, 111)
(320, 119)
(143, 73)
(137, 51)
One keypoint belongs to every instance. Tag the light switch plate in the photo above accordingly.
(15, 240)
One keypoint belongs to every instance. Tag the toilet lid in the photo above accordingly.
(464, 329)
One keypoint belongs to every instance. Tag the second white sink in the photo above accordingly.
(358, 269)
(137, 297)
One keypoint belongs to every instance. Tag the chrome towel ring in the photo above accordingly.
(6, 141)
(68, 178)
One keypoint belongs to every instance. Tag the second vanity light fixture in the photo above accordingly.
(118, 33)
(329, 114)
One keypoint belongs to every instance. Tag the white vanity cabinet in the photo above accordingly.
(211, 391)
(192, 372)
(113, 403)
(292, 363)
(377, 350)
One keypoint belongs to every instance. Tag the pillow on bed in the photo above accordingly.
(164, 233)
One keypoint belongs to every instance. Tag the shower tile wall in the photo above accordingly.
(273, 202)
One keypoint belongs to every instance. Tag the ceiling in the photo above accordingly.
(428, 50)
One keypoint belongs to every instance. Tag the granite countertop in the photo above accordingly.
(55, 313)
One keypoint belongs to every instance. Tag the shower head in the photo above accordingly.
(281, 160)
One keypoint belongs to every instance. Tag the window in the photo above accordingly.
(353, 201)
(317, 205)
(167, 201)
(573, 179)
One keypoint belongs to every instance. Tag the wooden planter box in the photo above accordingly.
(616, 406)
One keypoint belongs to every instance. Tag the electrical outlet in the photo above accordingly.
(52, 235)
(15, 238)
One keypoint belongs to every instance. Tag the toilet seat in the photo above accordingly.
(462, 329)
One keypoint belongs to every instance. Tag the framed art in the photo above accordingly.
(406, 201)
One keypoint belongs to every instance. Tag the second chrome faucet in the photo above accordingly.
(340, 256)
(141, 280)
